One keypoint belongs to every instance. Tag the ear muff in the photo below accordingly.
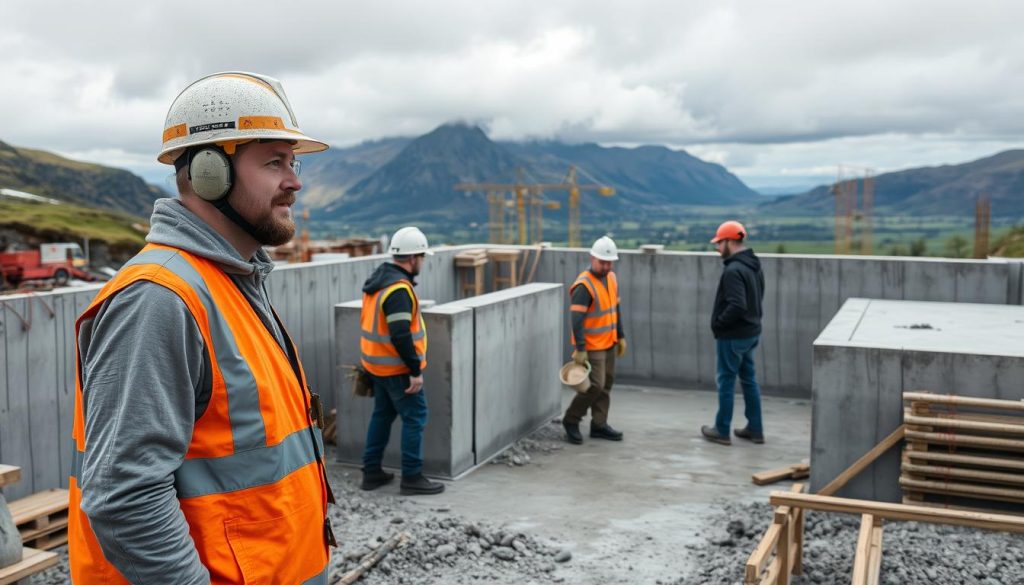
(211, 174)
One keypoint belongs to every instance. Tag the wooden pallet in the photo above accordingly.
(962, 451)
(32, 562)
(42, 518)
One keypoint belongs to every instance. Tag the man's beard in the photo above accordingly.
(271, 231)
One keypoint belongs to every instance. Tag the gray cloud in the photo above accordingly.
(799, 79)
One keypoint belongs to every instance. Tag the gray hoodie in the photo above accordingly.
(146, 379)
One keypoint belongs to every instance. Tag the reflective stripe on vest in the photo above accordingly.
(251, 486)
(600, 324)
(377, 354)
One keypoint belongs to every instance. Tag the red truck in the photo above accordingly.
(57, 262)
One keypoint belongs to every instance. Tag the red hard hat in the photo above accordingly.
(730, 230)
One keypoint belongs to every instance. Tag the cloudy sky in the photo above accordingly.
(778, 91)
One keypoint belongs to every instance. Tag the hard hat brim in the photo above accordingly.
(303, 144)
(605, 258)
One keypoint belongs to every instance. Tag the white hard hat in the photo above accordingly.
(409, 241)
(230, 107)
(604, 249)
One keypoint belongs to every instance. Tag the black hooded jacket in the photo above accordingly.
(397, 302)
(737, 313)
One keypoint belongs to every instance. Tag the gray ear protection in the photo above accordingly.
(211, 174)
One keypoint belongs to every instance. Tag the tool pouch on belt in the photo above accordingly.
(362, 384)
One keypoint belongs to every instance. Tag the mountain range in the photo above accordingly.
(393, 179)
(398, 180)
(939, 190)
(48, 175)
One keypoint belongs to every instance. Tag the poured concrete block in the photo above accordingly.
(874, 350)
(447, 381)
(518, 336)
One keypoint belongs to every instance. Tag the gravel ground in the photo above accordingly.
(911, 552)
(442, 548)
(445, 547)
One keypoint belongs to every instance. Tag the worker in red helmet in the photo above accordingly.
(736, 324)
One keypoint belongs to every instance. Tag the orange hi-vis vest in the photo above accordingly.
(600, 325)
(377, 354)
(252, 485)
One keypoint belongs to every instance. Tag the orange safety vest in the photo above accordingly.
(252, 486)
(600, 326)
(377, 354)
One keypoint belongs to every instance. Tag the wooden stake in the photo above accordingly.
(396, 541)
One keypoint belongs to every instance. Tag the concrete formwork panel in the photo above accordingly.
(517, 357)
(447, 381)
(874, 350)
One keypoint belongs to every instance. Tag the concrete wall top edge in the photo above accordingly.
(505, 295)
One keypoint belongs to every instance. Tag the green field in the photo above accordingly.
(892, 234)
(73, 222)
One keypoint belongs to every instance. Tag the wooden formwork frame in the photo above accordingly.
(783, 543)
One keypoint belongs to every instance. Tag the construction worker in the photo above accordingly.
(736, 324)
(198, 458)
(597, 339)
(393, 351)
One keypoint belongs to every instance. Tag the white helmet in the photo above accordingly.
(228, 108)
(604, 249)
(409, 241)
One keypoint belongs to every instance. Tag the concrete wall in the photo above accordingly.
(517, 333)
(867, 357)
(482, 395)
(667, 300)
(447, 381)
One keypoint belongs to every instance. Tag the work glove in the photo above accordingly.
(580, 357)
(620, 348)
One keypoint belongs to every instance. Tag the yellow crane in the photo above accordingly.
(532, 193)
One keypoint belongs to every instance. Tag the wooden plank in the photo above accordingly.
(784, 552)
(32, 562)
(875, 556)
(772, 576)
(969, 425)
(972, 490)
(863, 551)
(29, 508)
(764, 548)
(9, 474)
(967, 440)
(902, 512)
(865, 460)
(993, 403)
(795, 471)
(972, 460)
(959, 473)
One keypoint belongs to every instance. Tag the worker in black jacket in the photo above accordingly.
(736, 324)
(393, 351)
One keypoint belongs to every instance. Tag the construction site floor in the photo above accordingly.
(626, 510)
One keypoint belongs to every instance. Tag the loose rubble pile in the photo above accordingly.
(546, 440)
(911, 552)
(442, 546)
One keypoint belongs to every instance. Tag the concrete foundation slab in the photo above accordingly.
(874, 350)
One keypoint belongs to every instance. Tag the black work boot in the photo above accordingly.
(572, 432)
(604, 432)
(746, 433)
(419, 485)
(711, 434)
(375, 478)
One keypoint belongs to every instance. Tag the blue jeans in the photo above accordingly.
(389, 402)
(736, 357)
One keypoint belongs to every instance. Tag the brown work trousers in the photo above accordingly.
(598, 398)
